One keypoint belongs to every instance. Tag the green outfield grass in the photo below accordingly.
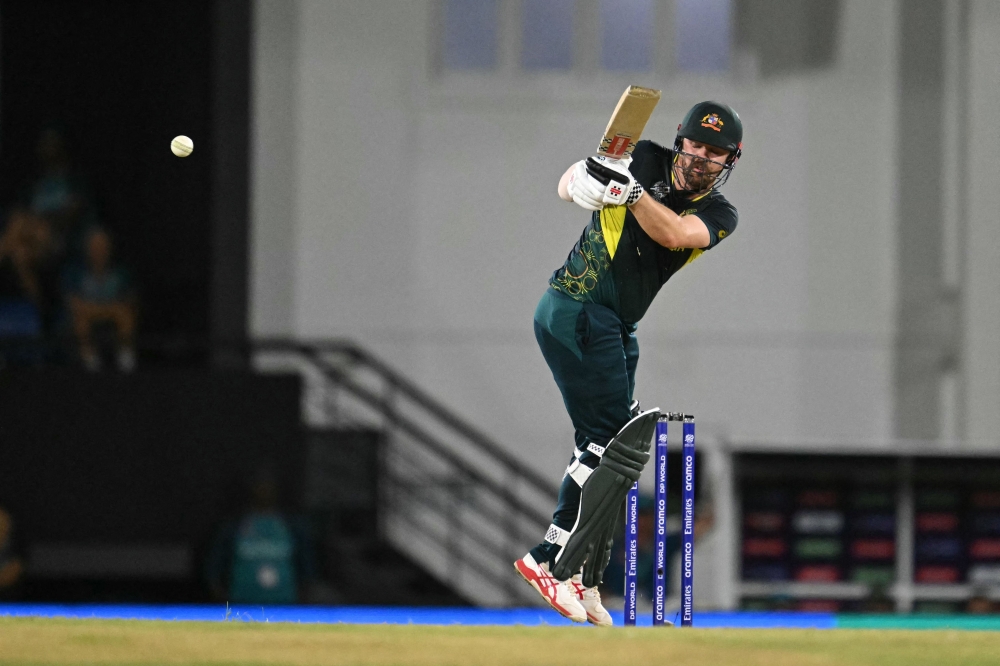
(25, 642)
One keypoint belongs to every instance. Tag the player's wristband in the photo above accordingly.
(634, 194)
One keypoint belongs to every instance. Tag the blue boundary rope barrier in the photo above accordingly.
(486, 617)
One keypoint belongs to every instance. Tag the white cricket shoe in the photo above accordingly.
(555, 593)
(590, 599)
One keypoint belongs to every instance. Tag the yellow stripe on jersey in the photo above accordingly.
(694, 255)
(612, 223)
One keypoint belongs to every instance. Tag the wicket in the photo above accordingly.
(660, 528)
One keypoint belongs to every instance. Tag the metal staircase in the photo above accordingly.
(450, 497)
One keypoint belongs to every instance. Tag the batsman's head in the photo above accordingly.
(709, 142)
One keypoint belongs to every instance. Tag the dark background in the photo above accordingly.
(161, 456)
(156, 460)
(122, 79)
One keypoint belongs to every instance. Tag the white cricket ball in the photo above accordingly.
(181, 146)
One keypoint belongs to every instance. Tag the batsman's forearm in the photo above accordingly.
(667, 227)
(662, 224)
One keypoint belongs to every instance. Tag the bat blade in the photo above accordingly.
(627, 122)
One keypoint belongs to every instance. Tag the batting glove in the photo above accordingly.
(585, 192)
(619, 186)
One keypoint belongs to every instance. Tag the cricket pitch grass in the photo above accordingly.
(31, 642)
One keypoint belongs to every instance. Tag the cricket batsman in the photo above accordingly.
(651, 215)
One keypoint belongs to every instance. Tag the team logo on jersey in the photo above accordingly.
(713, 122)
(722, 234)
(660, 191)
(689, 211)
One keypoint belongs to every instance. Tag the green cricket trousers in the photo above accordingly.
(592, 355)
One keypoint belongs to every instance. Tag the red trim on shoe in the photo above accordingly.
(546, 584)
(578, 588)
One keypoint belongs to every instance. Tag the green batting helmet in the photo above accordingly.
(715, 124)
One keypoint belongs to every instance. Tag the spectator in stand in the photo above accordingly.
(57, 197)
(36, 237)
(11, 569)
(263, 557)
(100, 297)
(24, 248)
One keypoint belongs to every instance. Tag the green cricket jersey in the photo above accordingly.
(616, 264)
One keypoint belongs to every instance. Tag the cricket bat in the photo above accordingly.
(627, 122)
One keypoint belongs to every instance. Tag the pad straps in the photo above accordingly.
(557, 535)
(577, 470)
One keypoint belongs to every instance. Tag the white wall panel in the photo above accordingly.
(982, 253)
(433, 244)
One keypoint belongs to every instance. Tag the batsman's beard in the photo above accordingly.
(696, 174)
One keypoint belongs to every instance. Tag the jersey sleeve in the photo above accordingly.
(640, 154)
(647, 162)
(720, 218)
